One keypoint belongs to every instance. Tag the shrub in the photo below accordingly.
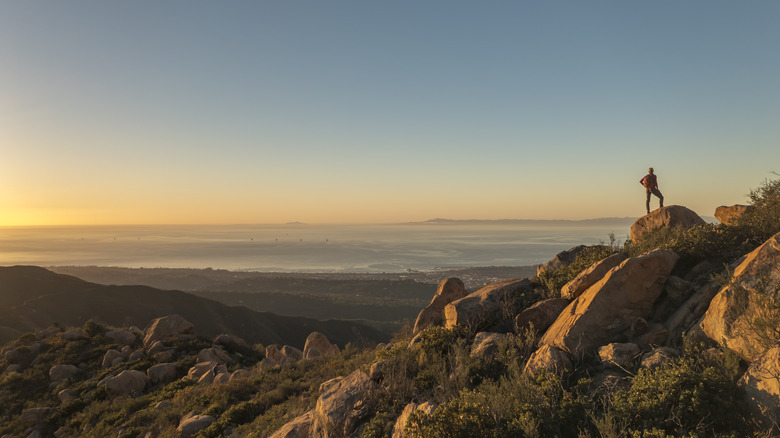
(554, 280)
(763, 221)
(694, 394)
(455, 419)
(92, 328)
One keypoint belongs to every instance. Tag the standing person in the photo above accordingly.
(651, 187)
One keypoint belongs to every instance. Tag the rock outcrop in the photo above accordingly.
(548, 359)
(300, 427)
(162, 373)
(59, 373)
(191, 424)
(729, 215)
(215, 354)
(690, 312)
(761, 384)
(126, 383)
(485, 344)
(541, 315)
(731, 316)
(399, 428)
(167, 327)
(673, 216)
(611, 306)
(493, 305)
(449, 290)
(562, 259)
(590, 276)
(122, 336)
(318, 345)
(343, 405)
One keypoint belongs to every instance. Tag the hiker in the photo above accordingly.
(651, 187)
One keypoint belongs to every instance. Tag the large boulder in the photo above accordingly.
(273, 354)
(729, 215)
(762, 387)
(166, 327)
(318, 344)
(121, 336)
(297, 428)
(562, 259)
(449, 290)
(191, 424)
(494, 305)
(678, 290)
(672, 216)
(612, 305)
(162, 373)
(292, 354)
(548, 359)
(126, 383)
(590, 276)
(112, 358)
(343, 405)
(541, 315)
(690, 312)
(733, 313)
(215, 354)
(485, 345)
(58, 373)
(199, 369)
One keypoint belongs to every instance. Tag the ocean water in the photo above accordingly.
(304, 248)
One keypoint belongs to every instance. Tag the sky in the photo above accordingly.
(354, 111)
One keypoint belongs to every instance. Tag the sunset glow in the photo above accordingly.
(353, 112)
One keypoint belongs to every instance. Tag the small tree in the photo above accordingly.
(763, 220)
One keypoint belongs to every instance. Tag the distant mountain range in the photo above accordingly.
(33, 298)
(627, 221)
(597, 221)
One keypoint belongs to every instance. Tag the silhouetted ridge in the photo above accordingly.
(34, 298)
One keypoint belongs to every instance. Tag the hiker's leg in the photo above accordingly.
(647, 204)
(657, 192)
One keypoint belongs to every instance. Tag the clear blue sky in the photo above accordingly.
(364, 111)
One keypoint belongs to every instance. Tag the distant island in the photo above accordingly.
(597, 221)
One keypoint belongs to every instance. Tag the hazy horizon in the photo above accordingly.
(303, 248)
(432, 221)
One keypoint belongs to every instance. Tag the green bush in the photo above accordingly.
(695, 243)
(455, 419)
(554, 280)
(695, 394)
(763, 221)
(92, 328)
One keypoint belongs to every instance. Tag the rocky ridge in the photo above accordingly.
(619, 322)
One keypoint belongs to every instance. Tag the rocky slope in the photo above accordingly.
(33, 298)
(662, 340)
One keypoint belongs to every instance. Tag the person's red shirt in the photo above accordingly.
(649, 181)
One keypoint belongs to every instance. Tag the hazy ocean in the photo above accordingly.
(304, 248)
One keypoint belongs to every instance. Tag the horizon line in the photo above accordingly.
(433, 221)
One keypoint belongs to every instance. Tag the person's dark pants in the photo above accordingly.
(656, 193)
